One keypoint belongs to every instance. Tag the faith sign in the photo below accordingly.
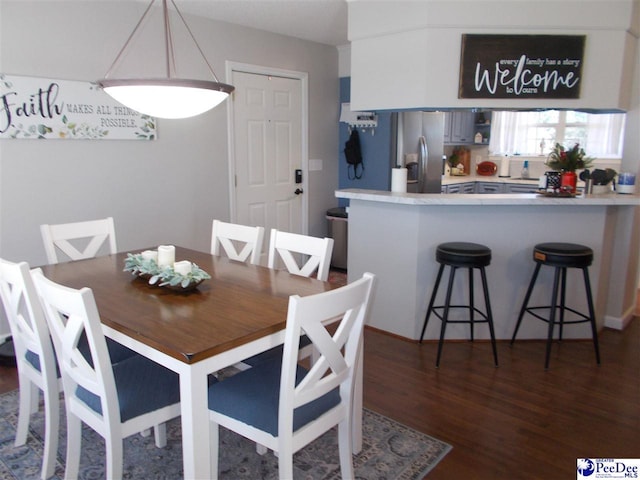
(45, 108)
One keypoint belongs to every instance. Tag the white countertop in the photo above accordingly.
(382, 196)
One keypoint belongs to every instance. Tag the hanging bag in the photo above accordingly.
(353, 154)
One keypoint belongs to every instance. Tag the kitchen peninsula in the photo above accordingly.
(395, 235)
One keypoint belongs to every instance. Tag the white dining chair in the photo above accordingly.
(301, 254)
(238, 241)
(35, 358)
(78, 240)
(283, 406)
(317, 259)
(117, 400)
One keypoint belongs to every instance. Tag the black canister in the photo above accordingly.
(553, 180)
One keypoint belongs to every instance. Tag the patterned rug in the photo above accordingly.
(390, 451)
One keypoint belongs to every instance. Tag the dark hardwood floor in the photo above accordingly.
(516, 421)
(512, 422)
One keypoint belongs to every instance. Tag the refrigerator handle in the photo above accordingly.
(423, 152)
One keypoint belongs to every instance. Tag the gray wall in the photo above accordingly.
(165, 191)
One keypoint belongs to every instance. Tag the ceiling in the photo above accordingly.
(322, 21)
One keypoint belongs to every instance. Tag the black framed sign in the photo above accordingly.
(521, 66)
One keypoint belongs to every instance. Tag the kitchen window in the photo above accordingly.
(535, 133)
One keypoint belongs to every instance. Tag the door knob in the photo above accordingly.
(298, 191)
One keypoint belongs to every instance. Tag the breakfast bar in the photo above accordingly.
(395, 235)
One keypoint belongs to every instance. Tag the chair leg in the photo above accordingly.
(261, 449)
(74, 440)
(592, 314)
(445, 315)
(160, 434)
(214, 435)
(24, 410)
(285, 460)
(552, 316)
(471, 305)
(431, 301)
(525, 302)
(487, 304)
(51, 432)
(344, 447)
(563, 296)
(114, 456)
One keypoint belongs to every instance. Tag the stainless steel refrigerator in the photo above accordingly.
(417, 144)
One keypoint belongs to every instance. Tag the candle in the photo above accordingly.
(166, 255)
(182, 268)
(150, 255)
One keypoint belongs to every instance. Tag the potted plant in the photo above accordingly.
(459, 161)
(452, 160)
(568, 161)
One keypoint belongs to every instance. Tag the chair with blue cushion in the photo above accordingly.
(239, 242)
(283, 406)
(116, 400)
(35, 359)
(315, 257)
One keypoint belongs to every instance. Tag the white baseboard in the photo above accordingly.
(619, 323)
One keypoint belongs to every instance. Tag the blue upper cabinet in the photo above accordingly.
(458, 128)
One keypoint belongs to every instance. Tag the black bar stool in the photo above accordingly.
(461, 255)
(561, 256)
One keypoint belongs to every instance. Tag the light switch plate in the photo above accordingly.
(315, 164)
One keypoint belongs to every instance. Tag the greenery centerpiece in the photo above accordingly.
(568, 160)
(166, 276)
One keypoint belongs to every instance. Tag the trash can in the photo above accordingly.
(338, 226)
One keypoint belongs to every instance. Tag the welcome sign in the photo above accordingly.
(521, 66)
(42, 108)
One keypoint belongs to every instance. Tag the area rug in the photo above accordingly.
(390, 451)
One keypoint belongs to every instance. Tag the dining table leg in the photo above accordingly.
(196, 451)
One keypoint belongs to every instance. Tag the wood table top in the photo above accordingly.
(239, 304)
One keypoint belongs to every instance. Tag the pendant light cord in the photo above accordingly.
(169, 51)
(194, 40)
(126, 44)
(168, 41)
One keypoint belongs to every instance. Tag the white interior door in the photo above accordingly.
(267, 151)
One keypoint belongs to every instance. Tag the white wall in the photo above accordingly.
(165, 191)
(407, 54)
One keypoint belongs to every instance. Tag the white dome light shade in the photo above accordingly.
(167, 97)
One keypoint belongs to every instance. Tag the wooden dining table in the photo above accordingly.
(239, 312)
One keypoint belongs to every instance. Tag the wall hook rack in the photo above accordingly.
(362, 120)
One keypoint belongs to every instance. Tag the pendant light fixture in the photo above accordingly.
(170, 96)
